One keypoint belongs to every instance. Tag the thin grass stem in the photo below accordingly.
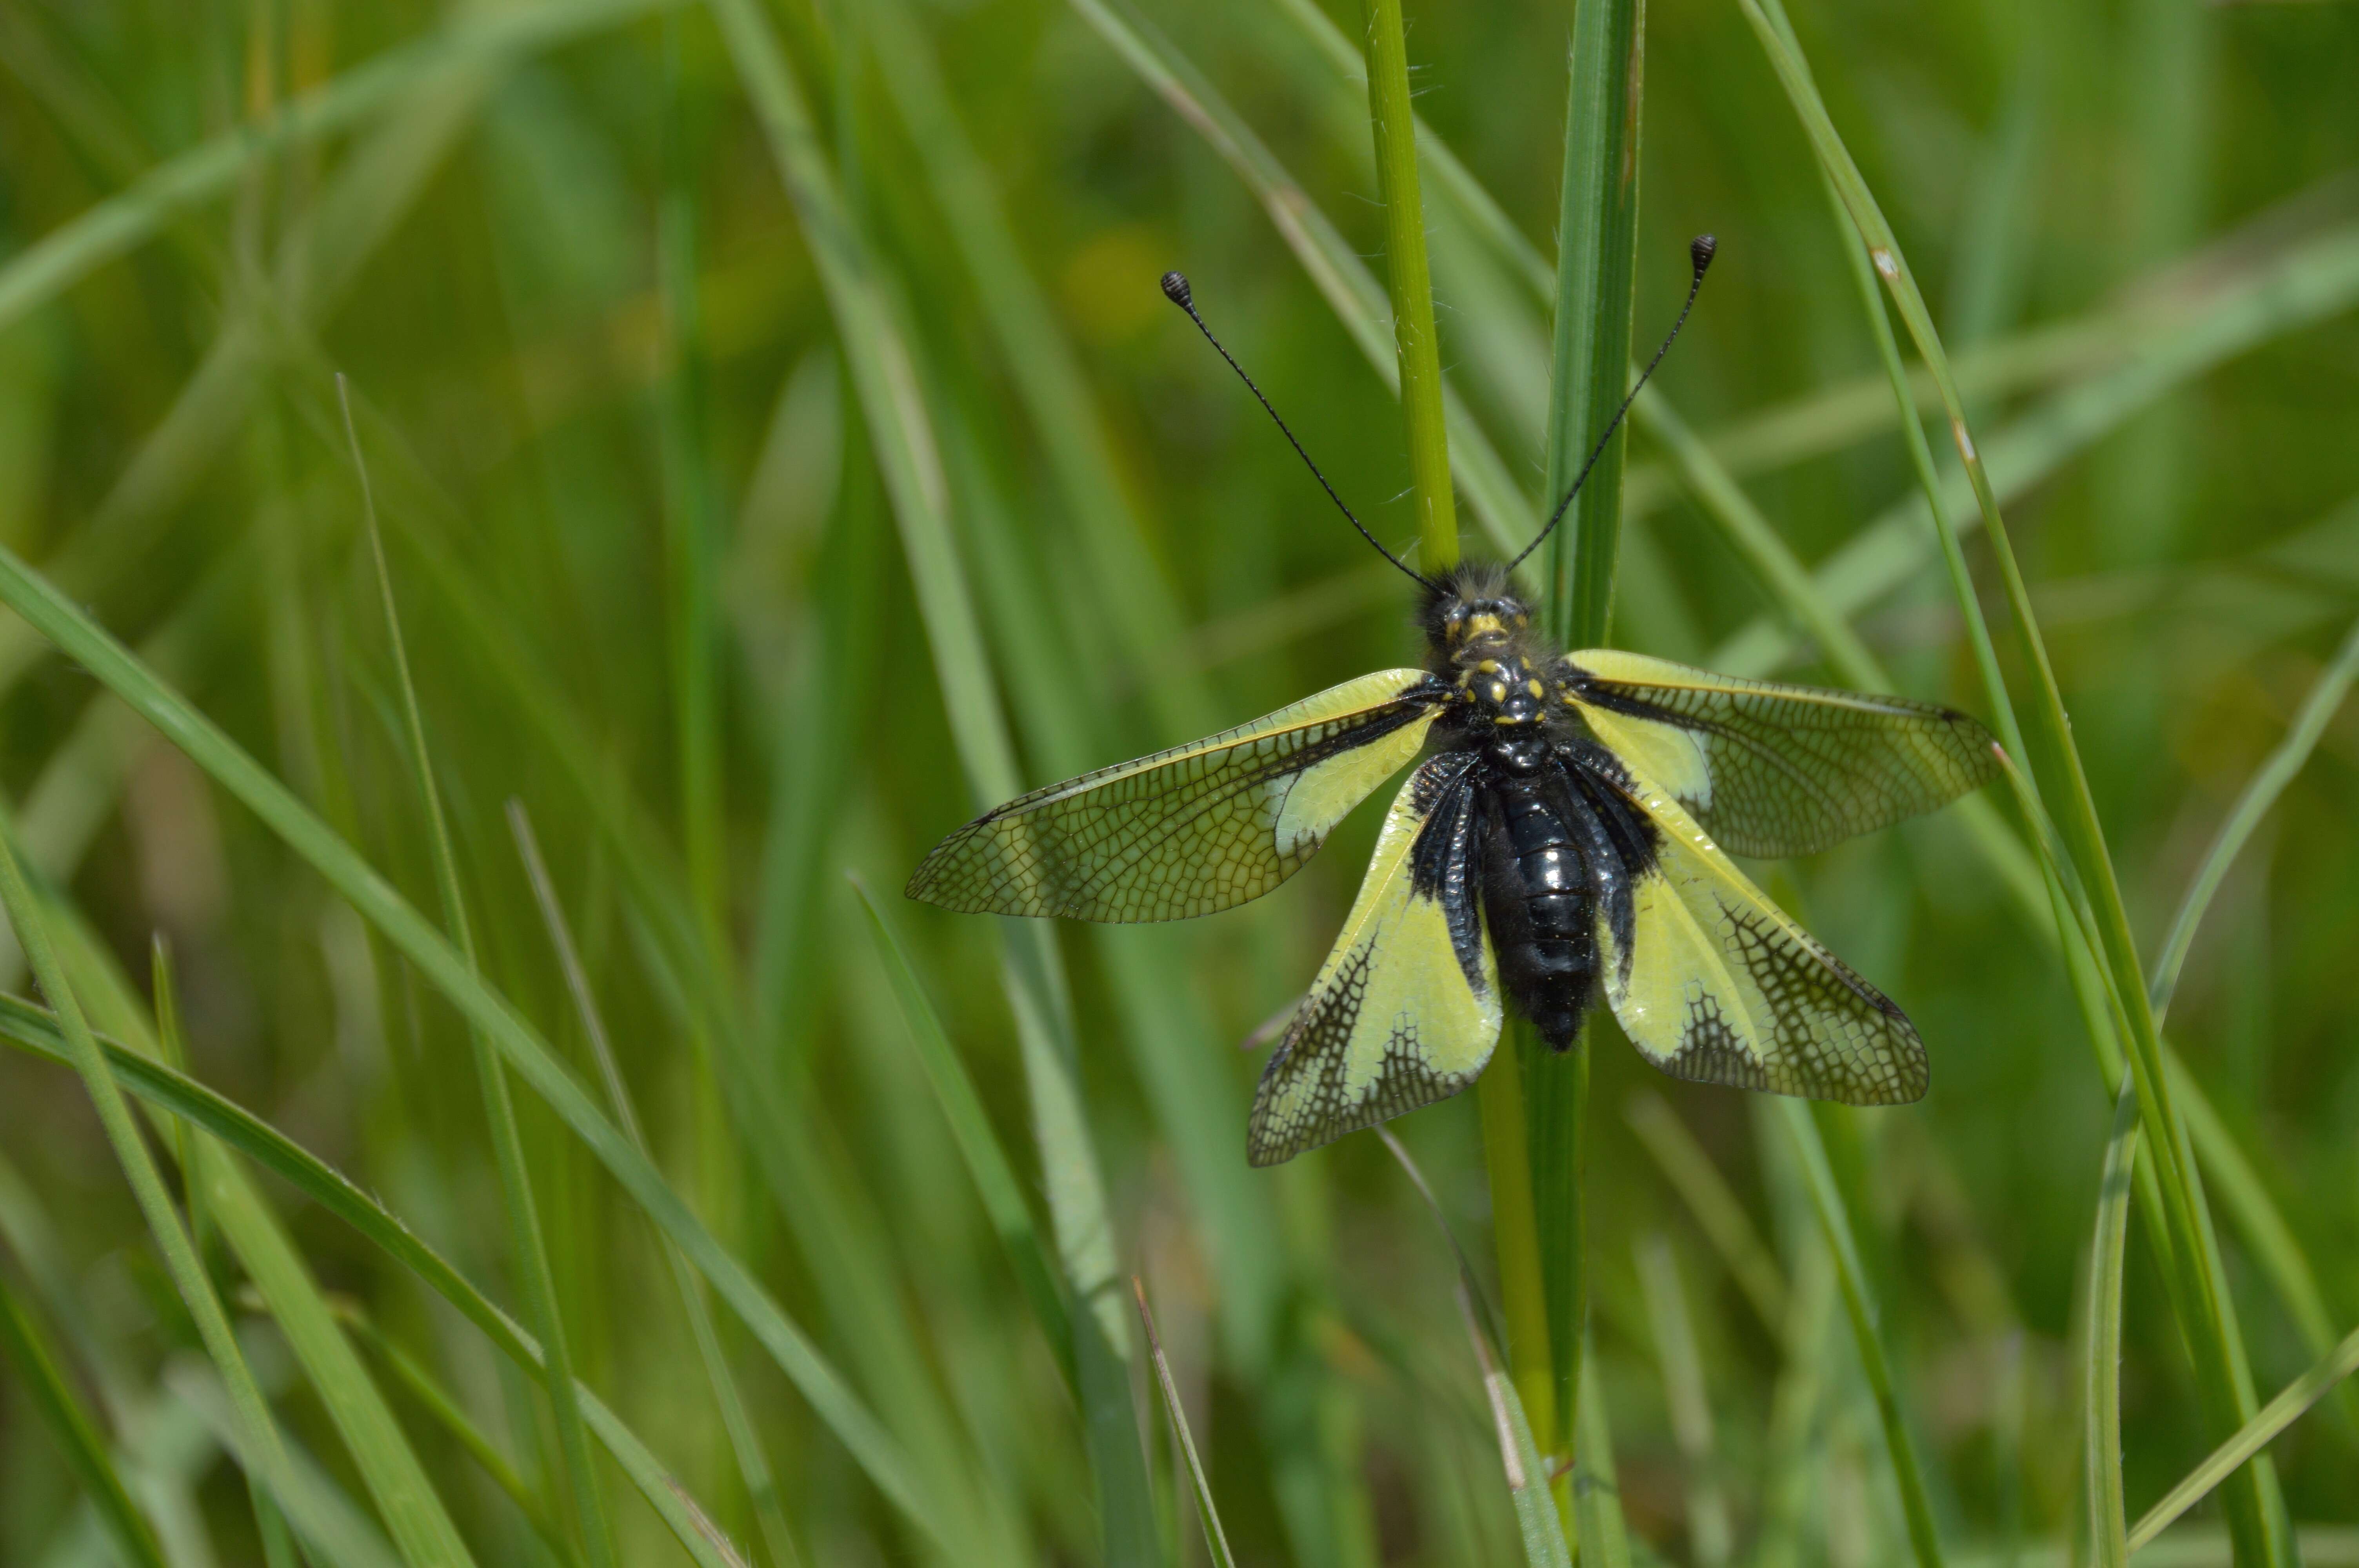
(1588, 378)
(2260, 792)
(445, 1412)
(1859, 1303)
(887, 379)
(1537, 1519)
(2102, 1377)
(2257, 1433)
(1488, 1313)
(1409, 277)
(441, 964)
(530, 1252)
(1208, 1512)
(1597, 291)
(994, 1175)
(25, 1345)
(31, 1028)
(1596, 1484)
(2255, 1514)
(745, 1438)
(67, 253)
(1514, 1231)
(1681, 1361)
(1334, 268)
(1717, 1211)
(257, 1430)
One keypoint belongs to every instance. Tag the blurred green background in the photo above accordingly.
(665, 581)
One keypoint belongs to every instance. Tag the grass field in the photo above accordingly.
(524, 520)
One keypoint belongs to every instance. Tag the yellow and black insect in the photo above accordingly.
(1563, 837)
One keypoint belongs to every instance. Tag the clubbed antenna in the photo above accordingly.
(1175, 288)
(1700, 251)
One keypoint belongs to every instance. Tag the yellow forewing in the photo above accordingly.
(1772, 770)
(1194, 829)
(1719, 985)
(1394, 1021)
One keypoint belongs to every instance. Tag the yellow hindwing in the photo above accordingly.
(1719, 985)
(1394, 1020)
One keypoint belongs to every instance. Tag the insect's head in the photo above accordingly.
(1474, 612)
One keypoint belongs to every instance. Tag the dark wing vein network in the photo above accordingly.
(1771, 770)
(1407, 1008)
(1197, 829)
(1717, 985)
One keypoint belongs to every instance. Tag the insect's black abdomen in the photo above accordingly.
(1535, 890)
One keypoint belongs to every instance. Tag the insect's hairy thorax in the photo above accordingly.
(1508, 685)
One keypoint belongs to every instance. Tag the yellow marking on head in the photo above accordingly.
(1478, 624)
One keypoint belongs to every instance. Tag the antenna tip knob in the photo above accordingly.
(1700, 251)
(1175, 289)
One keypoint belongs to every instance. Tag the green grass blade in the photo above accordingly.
(1834, 1221)
(443, 966)
(414, 1515)
(2262, 1225)
(1596, 1487)
(2269, 781)
(1515, 1232)
(44, 1385)
(42, 270)
(1342, 278)
(1526, 1472)
(1208, 1512)
(1714, 1203)
(1452, 179)
(2293, 284)
(686, 966)
(1409, 287)
(2101, 1383)
(1681, 1363)
(891, 396)
(32, 1029)
(2255, 1517)
(885, 374)
(1596, 279)
(1044, 366)
(1755, 540)
(986, 1162)
(745, 1442)
(1783, 577)
(2254, 1435)
(165, 1087)
(1164, 1026)
(258, 1431)
(692, 528)
(530, 1252)
(332, 1527)
(446, 1412)
(1487, 1314)
(1589, 375)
